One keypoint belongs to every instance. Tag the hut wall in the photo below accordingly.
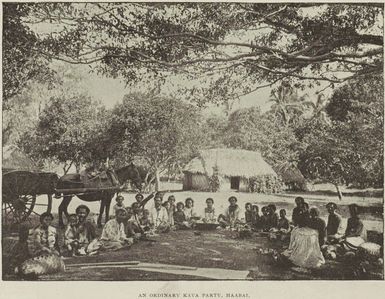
(244, 185)
(187, 181)
(199, 182)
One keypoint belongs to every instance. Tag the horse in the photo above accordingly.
(107, 179)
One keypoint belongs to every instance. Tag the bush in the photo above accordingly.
(265, 184)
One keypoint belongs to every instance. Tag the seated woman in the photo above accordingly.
(189, 211)
(304, 250)
(113, 235)
(180, 219)
(43, 239)
(355, 233)
(43, 250)
(231, 216)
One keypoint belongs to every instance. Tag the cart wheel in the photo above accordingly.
(18, 209)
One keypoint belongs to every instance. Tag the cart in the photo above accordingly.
(19, 191)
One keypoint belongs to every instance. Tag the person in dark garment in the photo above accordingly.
(299, 201)
(318, 224)
(333, 228)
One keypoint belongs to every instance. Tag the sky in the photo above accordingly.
(110, 91)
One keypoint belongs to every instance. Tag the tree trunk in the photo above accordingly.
(77, 165)
(338, 192)
(157, 180)
(68, 168)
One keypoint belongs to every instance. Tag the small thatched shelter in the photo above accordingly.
(230, 169)
(291, 176)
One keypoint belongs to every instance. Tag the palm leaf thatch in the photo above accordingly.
(230, 163)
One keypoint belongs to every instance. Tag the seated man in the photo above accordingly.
(231, 216)
(113, 234)
(159, 216)
(86, 231)
(209, 211)
(133, 226)
(43, 239)
(180, 218)
(334, 226)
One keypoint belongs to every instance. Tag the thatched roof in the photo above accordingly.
(289, 173)
(230, 162)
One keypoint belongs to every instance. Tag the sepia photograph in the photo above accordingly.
(191, 141)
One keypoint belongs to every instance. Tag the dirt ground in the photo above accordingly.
(210, 249)
(213, 249)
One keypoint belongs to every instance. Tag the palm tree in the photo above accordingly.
(319, 109)
(287, 104)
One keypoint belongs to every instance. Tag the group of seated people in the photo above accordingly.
(134, 223)
(311, 234)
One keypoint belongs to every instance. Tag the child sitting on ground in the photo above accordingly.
(145, 220)
(210, 216)
(71, 235)
(172, 209)
(119, 203)
(180, 219)
(170, 213)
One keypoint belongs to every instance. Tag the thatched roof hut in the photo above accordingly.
(231, 168)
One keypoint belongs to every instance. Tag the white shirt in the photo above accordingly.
(113, 231)
(158, 217)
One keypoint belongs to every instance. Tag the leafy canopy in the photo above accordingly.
(243, 45)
